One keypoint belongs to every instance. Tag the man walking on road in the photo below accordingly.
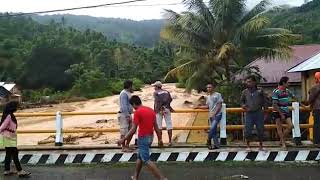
(314, 101)
(163, 109)
(145, 119)
(253, 101)
(124, 114)
(214, 104)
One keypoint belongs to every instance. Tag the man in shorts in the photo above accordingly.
(124, 114)
(280, 101)
(163, 109)
(214, 104)
(145, 119)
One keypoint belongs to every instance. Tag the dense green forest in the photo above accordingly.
(304, 20)
(66, 55)
(142, 33)
(55, 58)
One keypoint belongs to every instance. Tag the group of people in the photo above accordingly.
(146, 121)
(162, 109)
(254, 102)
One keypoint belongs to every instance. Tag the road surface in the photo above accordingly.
(186, 171)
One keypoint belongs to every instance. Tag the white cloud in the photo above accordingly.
(132, 12)
(252, 3)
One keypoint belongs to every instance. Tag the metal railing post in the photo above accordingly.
(223, 125)
(59, 126)
(296, 124)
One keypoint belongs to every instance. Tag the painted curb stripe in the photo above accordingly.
(72, 158)
(240, 156)
(263, 156)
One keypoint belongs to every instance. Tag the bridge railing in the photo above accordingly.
(59, 130)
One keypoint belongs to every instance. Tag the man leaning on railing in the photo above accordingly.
(314, 100)
(214, 104)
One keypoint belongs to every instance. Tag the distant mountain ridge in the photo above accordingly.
(304, 20)
(142, 33)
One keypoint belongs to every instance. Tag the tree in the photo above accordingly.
(46, 68)
(92, 83)
(303, 20)
(213, 37)
(61, 58)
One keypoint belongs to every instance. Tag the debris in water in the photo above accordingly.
(102, 121)
(240, 176)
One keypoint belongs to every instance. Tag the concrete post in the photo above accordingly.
(296, 124)
(223, 125)
(59, 126)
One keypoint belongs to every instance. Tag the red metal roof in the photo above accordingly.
(272, 71)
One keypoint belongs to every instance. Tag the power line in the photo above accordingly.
(137, 5)
(70, 9)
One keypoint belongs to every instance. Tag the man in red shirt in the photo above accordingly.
(145, 119)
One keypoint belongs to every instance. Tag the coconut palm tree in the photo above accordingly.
(215, 36)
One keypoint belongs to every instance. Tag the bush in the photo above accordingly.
(137, 84)
(36, 95)
(116, 85)
(181, 83)
(60, 96)
(91, 84)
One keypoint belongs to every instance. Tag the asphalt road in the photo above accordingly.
(186, 171)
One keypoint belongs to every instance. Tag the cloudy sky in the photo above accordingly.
(150, 9)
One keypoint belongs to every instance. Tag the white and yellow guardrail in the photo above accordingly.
(59, 131)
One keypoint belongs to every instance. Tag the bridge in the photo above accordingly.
(191, 150)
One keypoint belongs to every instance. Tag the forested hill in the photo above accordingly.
(142, 33)
(304, 20)
(86, 63)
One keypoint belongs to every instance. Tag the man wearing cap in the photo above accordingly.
(163, 109)
(314, 101)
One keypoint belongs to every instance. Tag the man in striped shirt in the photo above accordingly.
(281, 99)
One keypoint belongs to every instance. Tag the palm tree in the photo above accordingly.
(216, 36)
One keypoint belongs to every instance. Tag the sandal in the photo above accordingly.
(9, 173)
(132, 148)
(262, 149)
(284, 147)
(126, 150)
(215, 147)
(23, 174)
(160, 144)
